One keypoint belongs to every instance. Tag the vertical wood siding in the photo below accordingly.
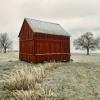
(51, 47)
(26, 43)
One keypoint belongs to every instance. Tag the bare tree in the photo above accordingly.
(86, 42)
(5, 42)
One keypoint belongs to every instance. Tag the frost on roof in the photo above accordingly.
(46, 27)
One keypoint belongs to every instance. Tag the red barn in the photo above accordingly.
(41, 41)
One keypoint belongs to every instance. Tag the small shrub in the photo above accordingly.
(39, 73)
(37, 86)
(25, 95)
(43, 94)
(22, 79)
(48, 94)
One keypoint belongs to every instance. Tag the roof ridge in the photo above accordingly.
(42, 21)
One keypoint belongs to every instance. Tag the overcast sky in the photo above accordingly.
(76, 16)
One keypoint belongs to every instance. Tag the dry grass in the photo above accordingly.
(24, 79)
(39, 73)
(27, 77)
(25, 95)
(19, 81)
(23, 83)
(9, 56)
(48, 94)
(52, 65)
(43, 94)
(79, 80)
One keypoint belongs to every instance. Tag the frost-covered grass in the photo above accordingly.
(92, 58)
(77, 80)
(22, 81)
(25, 84)
(9, 56)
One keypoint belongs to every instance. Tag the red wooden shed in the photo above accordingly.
(41, 41)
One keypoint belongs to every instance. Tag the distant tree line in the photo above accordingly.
(5, 42)
(87, 42)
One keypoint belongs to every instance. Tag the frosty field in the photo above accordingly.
(77, 80)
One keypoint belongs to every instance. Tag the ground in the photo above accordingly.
(77, 80)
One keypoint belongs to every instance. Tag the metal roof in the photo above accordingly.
(46, 27)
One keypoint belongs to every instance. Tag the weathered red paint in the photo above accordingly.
(37, 47)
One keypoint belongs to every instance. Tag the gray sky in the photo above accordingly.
(76, 16)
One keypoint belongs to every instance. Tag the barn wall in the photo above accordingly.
(26, 43)
(51, 47)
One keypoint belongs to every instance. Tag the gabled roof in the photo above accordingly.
(46, 27)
